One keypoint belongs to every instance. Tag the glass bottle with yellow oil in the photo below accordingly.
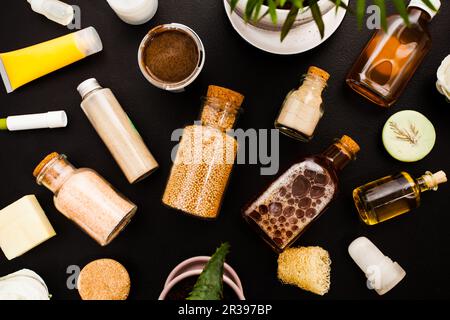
(393, 195)
(391, 57)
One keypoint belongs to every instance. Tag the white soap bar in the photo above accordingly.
(23, 226)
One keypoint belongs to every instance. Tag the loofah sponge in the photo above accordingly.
(307, 268)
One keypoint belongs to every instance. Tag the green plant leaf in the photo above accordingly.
(401, 8)
(282, 3)
(249, 9)
(360, 12)
(317, 15)
(337, 3)
(209, 285)
(273, 11)
(429, 5)
(257, 10)
(382, 5)
(289, 22)
(233, 4)
(297, 3)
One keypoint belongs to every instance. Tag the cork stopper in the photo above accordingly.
(433, 180)
(226, 94)
(44, 162)
(104, 279)
(319, 72)
(350, 144)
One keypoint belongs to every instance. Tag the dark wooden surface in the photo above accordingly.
(158, 238)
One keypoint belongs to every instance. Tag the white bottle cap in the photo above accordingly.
(88, 41)
(420, 4)
(53, 119)
(87, 86)
(134, 11)
(382, 273)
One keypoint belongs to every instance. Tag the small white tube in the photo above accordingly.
(53, 119)
(54, 10)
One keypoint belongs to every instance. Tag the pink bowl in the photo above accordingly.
(193, 267)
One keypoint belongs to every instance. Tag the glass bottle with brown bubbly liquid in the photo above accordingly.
(391, 57)
(287, 207)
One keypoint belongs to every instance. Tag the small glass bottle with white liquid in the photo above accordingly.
(302, 108)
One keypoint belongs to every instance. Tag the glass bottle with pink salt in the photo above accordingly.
(300, 195)
(84, 197)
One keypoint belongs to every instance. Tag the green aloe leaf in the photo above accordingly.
(401, 8)
(289, 22)
(209, 285)
(339, 3)
(273, 10)
(429, 5)
(233, 4)
(249, 9)
(317, 15)
(360, 12)
(382, 5)
(298, 3)
(257, 10)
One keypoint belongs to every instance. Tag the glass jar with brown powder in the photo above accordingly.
(171, 56)
(84, 197)
(205, 157)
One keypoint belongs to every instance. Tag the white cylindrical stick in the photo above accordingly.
(53, 119)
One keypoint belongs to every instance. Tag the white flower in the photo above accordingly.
(443, 76)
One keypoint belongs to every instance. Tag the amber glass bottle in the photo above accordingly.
(286, 208)
(394, 195)
(391, 57)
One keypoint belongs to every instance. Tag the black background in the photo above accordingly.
(159, 238)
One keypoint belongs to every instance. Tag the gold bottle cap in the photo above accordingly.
(104, 279)
(434, 179)
(44, 162)
(350, 144)
(223, 93)
(319, 72)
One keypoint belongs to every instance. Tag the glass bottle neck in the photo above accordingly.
(338, 155)
(55, 173)
(313, 82)
(426, 182)
(417, 15)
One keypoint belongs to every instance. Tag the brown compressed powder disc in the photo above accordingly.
(352, 146)
(104, 279)
(171, 56)
(319, 72)
(44, 162)
(226, 94)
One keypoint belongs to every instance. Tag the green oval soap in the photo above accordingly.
(408, 136)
